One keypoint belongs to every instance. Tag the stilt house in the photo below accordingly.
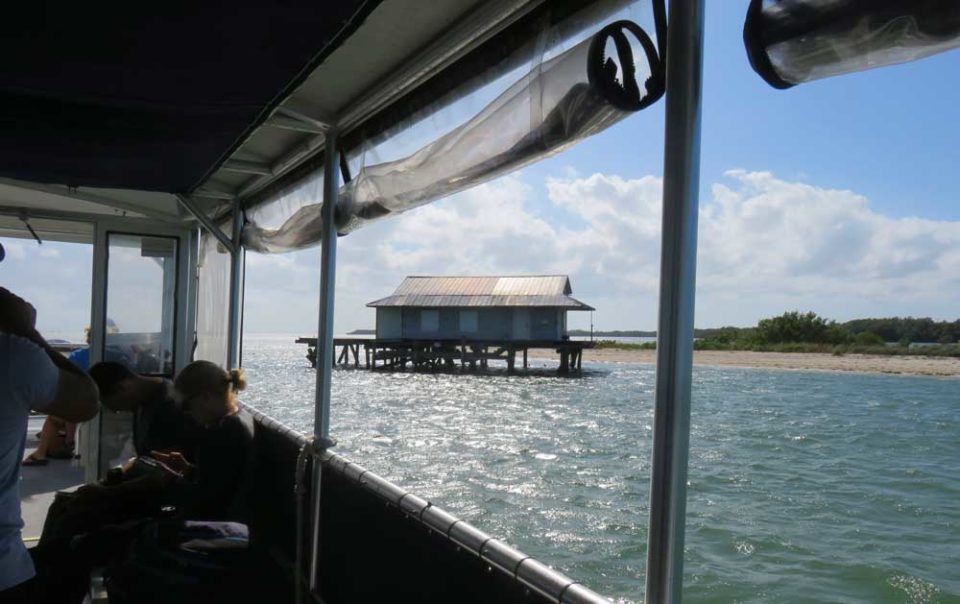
(506, 309)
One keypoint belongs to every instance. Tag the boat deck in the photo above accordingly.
(38, 484)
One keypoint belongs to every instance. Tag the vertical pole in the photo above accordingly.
(328, 268)
(236, 290)
(90, 431)
(678, 261)
(325, 350)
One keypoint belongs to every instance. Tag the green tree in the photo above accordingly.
(797, 327)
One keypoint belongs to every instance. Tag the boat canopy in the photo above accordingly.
(252, 119)
(164, 114)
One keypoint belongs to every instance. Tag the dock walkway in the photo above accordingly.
(448, 355)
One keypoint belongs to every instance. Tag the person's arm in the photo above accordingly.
(43, 384)
(75, 397)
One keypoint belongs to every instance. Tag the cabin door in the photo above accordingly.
(143, 310)
(521, 324)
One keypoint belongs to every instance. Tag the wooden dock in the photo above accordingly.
(445, 355)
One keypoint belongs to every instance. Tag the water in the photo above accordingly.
(804, 487)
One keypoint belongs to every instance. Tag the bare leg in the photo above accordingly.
(47, 436)
(55, 441)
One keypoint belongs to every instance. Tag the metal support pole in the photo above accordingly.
(236, 290)
(325, 351)
(205, 220)
(328, 268)
(678, 263)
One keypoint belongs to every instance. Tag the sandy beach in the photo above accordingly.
(811, 361)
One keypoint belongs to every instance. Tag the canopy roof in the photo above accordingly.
(122, 109)
(140, 96)
(551, 291)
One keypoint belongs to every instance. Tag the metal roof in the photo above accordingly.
(552, 291)
(525, 285)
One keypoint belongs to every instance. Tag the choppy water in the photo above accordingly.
(804, 487)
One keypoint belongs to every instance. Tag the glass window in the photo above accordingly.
(141, 302)
(429, 321)
(468, 321)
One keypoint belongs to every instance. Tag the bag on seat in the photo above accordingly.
(184, 562)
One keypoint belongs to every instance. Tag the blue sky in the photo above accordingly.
(892, 134)
(838, 196)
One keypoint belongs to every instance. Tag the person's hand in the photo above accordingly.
(17, 316)
(173, 461)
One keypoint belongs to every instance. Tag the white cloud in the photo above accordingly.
(765, 236)
(766, 245)
(14, 250)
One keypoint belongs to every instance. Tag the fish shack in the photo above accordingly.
(530, 309)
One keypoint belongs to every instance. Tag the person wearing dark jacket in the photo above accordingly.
(213, 487)
(206, 483)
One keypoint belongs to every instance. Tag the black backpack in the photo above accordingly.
(186, 562)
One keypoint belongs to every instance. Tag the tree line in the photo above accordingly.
(809, 328)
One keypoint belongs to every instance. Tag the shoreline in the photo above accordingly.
(805, 361)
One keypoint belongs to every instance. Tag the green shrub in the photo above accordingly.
(868, 338)
(614, 345)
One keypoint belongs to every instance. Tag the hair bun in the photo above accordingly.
(238, 378)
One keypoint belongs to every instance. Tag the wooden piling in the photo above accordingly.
(445, 355)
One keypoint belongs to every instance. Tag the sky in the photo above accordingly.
(837, 196)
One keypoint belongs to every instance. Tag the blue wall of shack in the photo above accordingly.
(545, 324)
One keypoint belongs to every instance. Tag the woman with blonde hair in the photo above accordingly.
(214, 486)
(207, 392)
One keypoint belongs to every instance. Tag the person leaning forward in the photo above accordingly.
(159, 424)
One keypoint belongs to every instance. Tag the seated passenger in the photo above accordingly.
(203, 476)
(158, 422)
(214, 486)
(58, 437)
(57, 441)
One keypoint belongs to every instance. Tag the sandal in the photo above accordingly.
(34, 461)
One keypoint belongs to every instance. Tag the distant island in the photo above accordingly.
(913, 346)
(616, 333)
(807, 332)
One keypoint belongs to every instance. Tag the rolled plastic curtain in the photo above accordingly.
(213, 293)
(794, 41)
(560, 102)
